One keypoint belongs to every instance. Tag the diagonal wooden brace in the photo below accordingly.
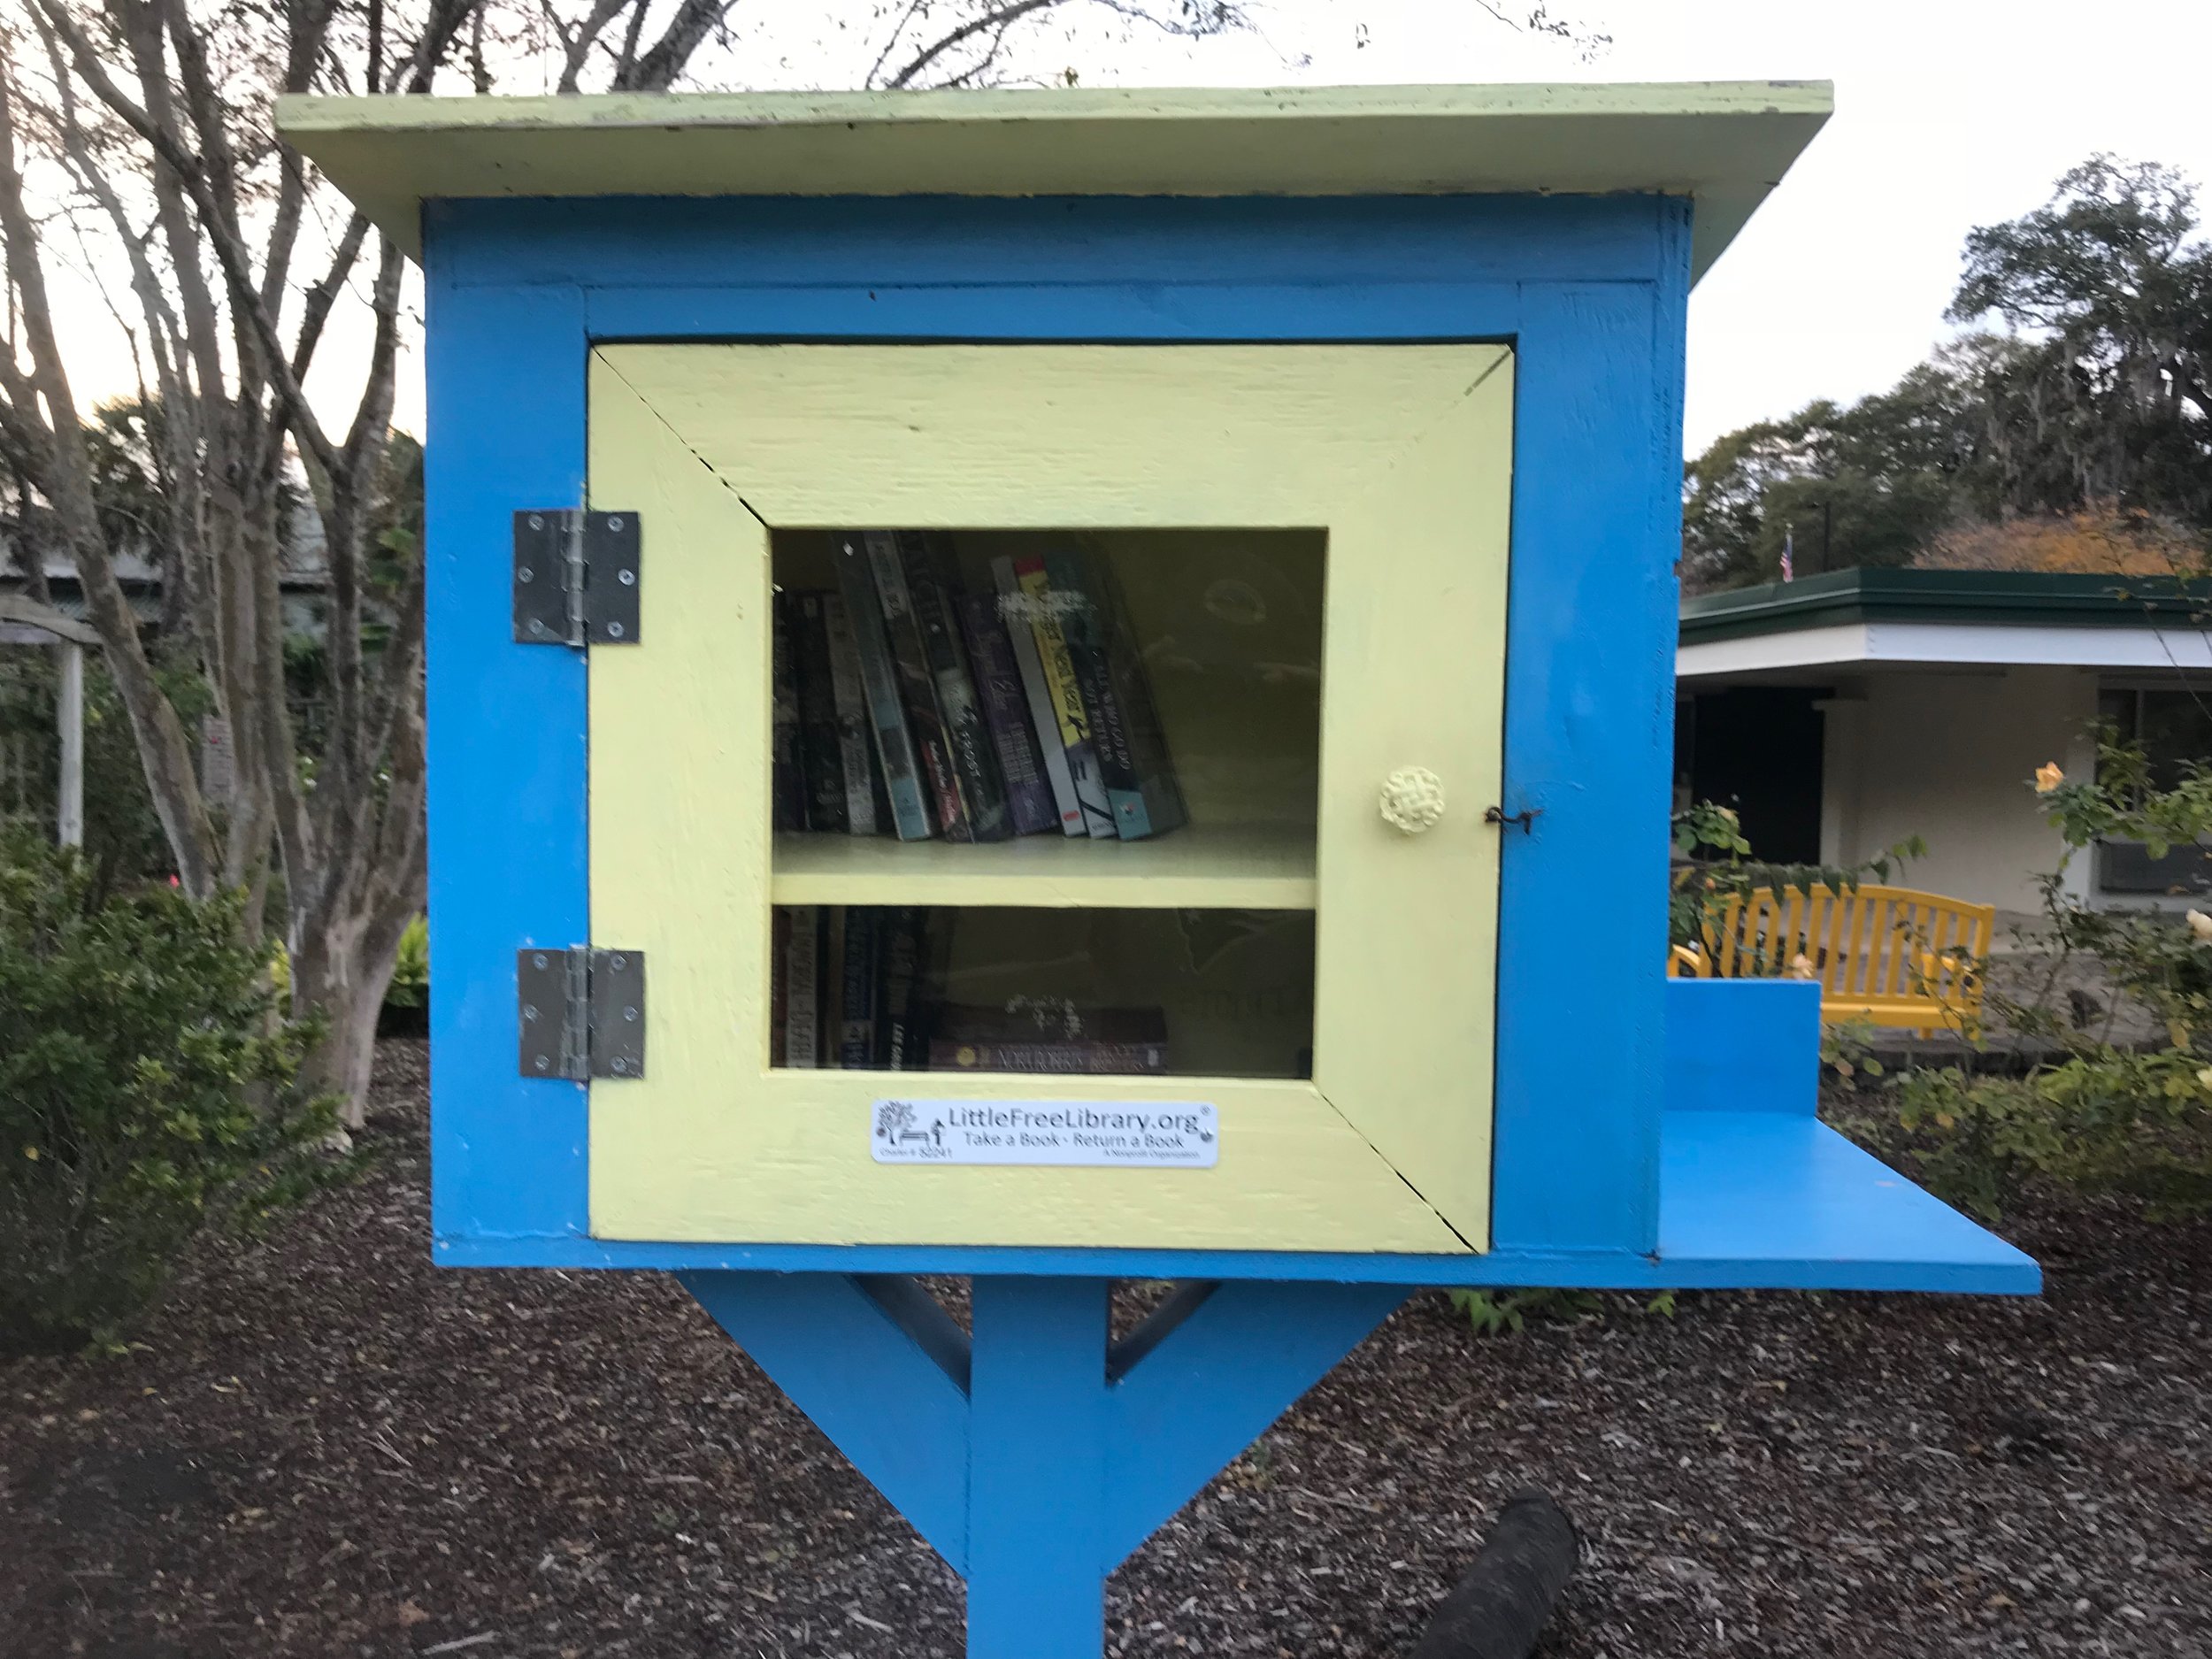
(1033, 1456)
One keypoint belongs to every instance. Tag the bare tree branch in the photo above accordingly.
(576, 43)
(68, 487)
(664, 59)
(993, 22)
(230, 251)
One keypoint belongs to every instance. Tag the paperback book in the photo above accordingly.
(918, 684)
(900, 771)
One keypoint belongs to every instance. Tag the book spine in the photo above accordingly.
(779, 981)
(1043, 726)
(787, 791)
(852, 718)
(999, 687)
(857, 1013)
(1068, 711)
(901, 772)
(819, 756)
(929, 589)
(1081, 624)
(1149, 752)
(950, 1054)
(803, 989)
(917, 686)
(829, 1016)
(896, 1048)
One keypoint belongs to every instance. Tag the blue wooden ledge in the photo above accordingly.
(1754, 1190)
(1759, 1198)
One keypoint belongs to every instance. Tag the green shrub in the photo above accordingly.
(2097, 1116)
(1503, 1312)
(147, 1089)
(1712, 864)
(410, 986)
(2102, 1119)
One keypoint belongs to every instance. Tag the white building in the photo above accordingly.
(1845, 712)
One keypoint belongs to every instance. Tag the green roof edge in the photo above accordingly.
(1990, 598)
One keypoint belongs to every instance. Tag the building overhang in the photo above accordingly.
(1872, 620)
(1725, 143)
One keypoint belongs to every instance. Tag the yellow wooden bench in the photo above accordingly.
(1888, 955)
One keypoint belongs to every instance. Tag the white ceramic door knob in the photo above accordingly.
(1412, 799)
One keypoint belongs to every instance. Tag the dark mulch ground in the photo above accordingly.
(324, 1448)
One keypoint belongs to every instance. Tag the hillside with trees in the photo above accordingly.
(2069, 428)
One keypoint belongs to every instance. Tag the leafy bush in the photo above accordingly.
(410, 986)
(1713, 865)
(2097, 1114)
(147, 1089)
(123, 838)
(1503, 1312)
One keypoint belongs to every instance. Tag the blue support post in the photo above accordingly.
(883, 1375)
(1037, 1470)
(1032, 1456)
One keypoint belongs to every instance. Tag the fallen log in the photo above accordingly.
(1498, 1608)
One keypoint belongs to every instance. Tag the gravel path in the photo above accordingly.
(321, 1446)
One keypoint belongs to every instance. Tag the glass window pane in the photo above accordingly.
(2176, 731)
(1211, 993)
(975, 686)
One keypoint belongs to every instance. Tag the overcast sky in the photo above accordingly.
(1950, 113)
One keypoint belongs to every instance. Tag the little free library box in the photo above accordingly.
(1062, 685)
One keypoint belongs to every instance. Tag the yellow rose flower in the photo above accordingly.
(2048, 777)
(2200, 925)
(1800, 967)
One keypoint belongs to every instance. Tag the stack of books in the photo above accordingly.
(859, 987)
(905, 705)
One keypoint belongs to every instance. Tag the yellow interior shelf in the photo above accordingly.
(1222, 867)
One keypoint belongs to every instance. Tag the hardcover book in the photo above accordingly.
(899, 772)
(853, 742)
(1013, 615)
(803, 988)
(1082, 626)
(999, 688)
(786, 792)
(1049, 1034)
(930, 585)
(821, 759)
(918, 684)
(950, 1054)
(1070, 715)
(905, 960)
(779, 981)
(1153, 766)
(857, 1013)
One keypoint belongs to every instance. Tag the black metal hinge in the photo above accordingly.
(576, 577)
(581, 1012)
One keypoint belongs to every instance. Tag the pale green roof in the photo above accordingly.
(1725, 142)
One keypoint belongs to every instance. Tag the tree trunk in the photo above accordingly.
(341, 969)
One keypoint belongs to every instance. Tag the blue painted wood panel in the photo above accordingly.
(506, 754)
(1742, 1191)
(1591, 293)
(1234, 1362)
(1148, 243)
(1037, 1469)
(892, 1399)
(1732, 1042)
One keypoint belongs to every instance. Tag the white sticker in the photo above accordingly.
(1117, 1135)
